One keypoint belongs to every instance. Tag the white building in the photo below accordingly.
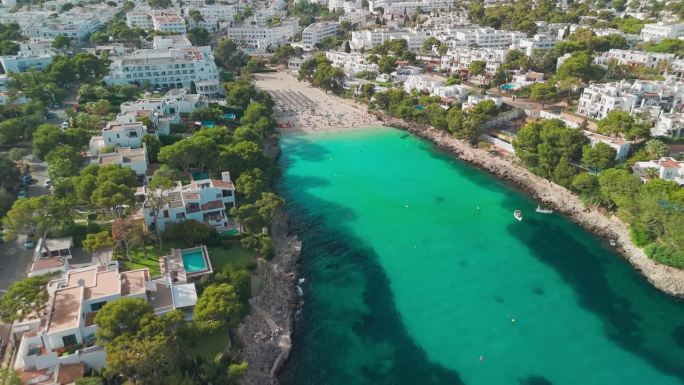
(77, 23)
(31, 55)
(51, 255)
(423, 83)
(634, 58)
(371, 38)
(123, 134)
(205, 200)
(598, 100)
(669, 124)
(666, 168)
(620, 145)
(212, 15)
(258, 38)
(140, 17)
(168, 22)
(133, 158)
(459, 59)
(488, 37)
(161, 111)
(657, 32)
(173, 66)
(64, 332)
(410, 7)
(352, 63)
(316, 32)
(538, 41)
(8, 98)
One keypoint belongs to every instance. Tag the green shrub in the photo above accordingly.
(640, 236)
(665, 255)
(92, 228)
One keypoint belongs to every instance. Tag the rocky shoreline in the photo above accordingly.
(265, 335)
(665, 278)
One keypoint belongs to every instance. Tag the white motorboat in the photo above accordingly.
(517, 214)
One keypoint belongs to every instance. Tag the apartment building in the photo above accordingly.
(459, 59)
(658, 31)
(351, 63)
(316, 32)
(371, 38)
(35, 54)
(168, 65)
(77, 23)
(63, 333)
(256, 38)
(489, 37)
(133, 158)
(634, 58)
(538, 41)
(212, 15)
(204, 200)
(598, 100)
(168, 22)
(140, 17)
(410, 7)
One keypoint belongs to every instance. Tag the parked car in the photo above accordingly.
(21, 193)
(26, 179)
(47, 183)
(28, 243)
(65, 125)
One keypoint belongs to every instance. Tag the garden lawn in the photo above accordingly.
(209, 345)
(234, 256)
(138, 260)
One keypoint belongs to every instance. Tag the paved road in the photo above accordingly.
(14, 262)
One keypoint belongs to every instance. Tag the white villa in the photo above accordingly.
(63, 333)
(133, 158)
(204, 200)
(162, 111)
(119, 135)
(620, 145)
(667, 169)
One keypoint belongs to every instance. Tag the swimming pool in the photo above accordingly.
(193, 260)
(508, 86)
(200, 175)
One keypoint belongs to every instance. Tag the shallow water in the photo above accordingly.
(418, 273)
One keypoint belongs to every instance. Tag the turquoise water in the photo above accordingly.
(193, 260)
(408, 282)
(200, 175)
(507, 86)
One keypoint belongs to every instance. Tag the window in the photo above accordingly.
(69, 340)
(97, 305)
(166, 213)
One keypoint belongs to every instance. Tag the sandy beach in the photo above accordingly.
(301, 107)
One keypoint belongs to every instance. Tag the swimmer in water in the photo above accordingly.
(481, 358)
